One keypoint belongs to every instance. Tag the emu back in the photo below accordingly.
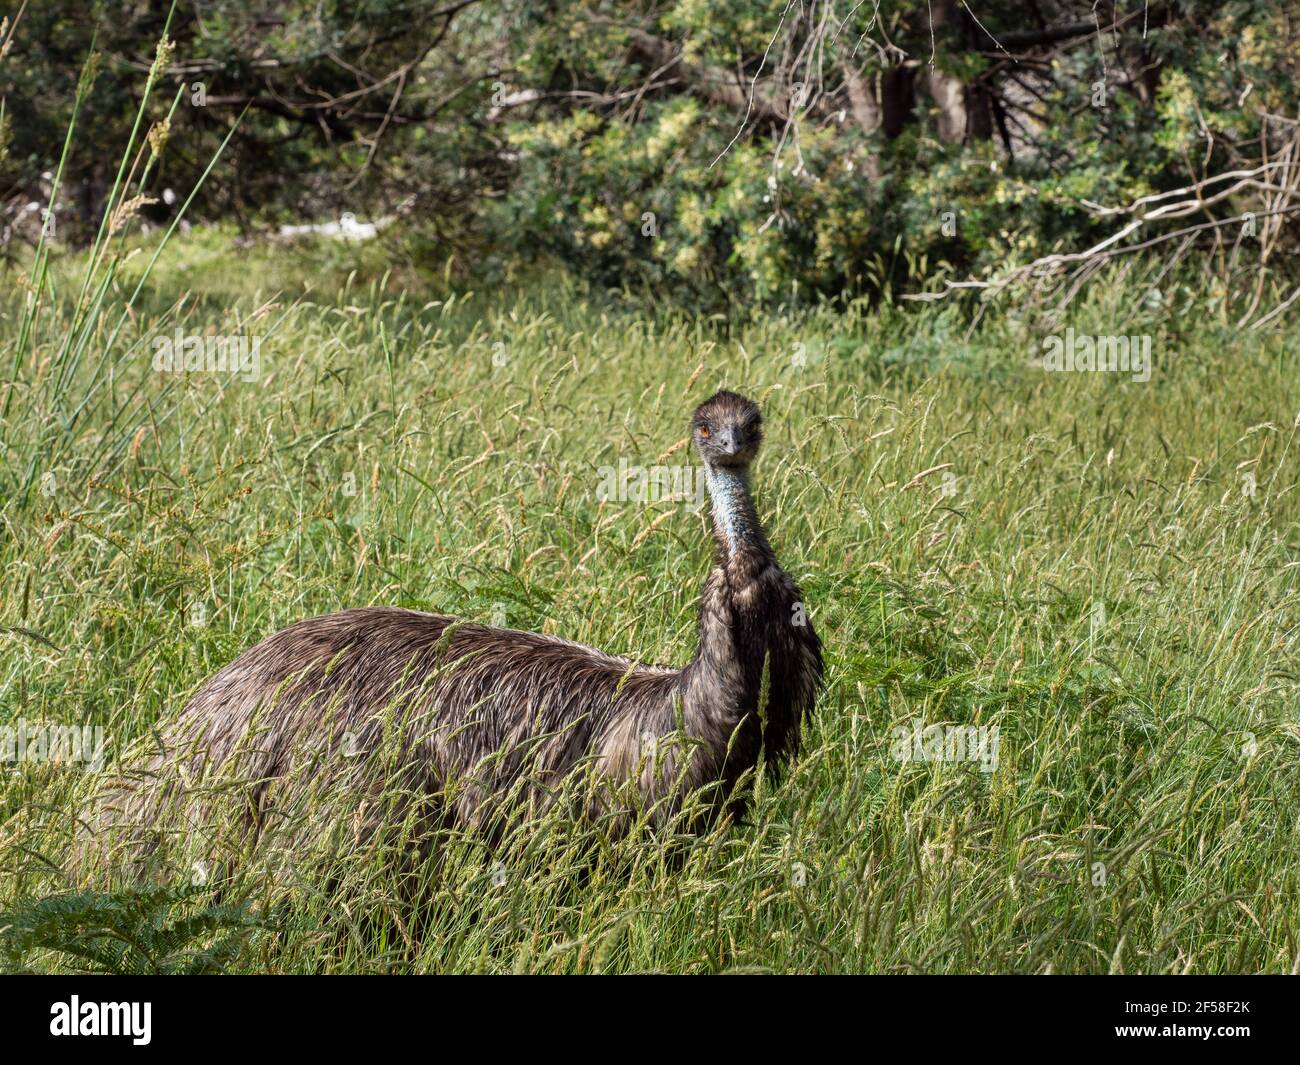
(415, 722)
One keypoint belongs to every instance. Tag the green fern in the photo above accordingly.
(143, 931)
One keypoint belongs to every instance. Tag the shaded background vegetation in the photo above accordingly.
(732, 150)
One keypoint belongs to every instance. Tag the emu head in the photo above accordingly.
(727, 429)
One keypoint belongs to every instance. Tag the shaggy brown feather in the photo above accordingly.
(463, 725)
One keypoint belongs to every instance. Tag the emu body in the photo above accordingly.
(489, 723)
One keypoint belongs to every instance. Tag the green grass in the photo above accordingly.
(1144, 811)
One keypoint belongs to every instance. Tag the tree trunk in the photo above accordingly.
(867, 113)
(897, 97)
(949, 96)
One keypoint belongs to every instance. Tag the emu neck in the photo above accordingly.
(735, 522)
(721, 685)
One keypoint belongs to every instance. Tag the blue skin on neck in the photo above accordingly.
(729, 490)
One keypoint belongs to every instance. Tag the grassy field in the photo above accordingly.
(1104, 570)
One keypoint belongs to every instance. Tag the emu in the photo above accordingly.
(477, 724)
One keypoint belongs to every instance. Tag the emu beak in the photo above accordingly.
(730, 441)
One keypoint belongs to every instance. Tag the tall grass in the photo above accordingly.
(1143, 813)
(1079, 560)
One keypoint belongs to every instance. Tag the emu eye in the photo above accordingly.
(704, 432)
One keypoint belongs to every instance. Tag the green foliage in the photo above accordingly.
(1127, 744)
(262, 70)
(750, 206)
(136, 932)
(715, 151)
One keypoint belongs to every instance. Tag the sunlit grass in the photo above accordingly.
(1103, 569)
